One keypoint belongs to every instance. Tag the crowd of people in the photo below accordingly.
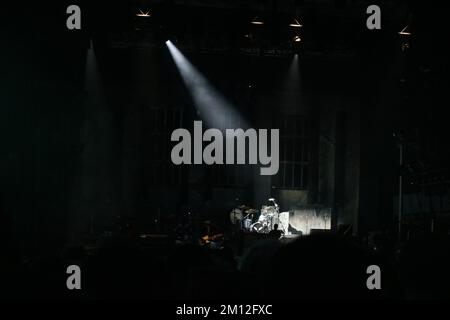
(323, 266)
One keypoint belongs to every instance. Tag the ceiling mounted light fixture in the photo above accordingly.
(146, 14)
(257, 21)
(295, 24)
(405, 31)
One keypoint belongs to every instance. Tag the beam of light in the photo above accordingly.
(295, 24)
(143, 14)
(96, 136)
(293, 77)
(211, 106)
(93, 81)
(292, 86)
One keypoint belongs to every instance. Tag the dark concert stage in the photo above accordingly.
(191, 150)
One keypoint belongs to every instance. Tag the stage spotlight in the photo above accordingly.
(295, 24)
(257, 21)
(213, 108)
(143, 14)
(297, 39)
(405, 31)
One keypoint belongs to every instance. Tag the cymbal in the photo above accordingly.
(251, 211)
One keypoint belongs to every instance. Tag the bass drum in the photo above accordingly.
(258, 227)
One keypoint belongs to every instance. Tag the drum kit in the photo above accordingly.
(243, 218)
